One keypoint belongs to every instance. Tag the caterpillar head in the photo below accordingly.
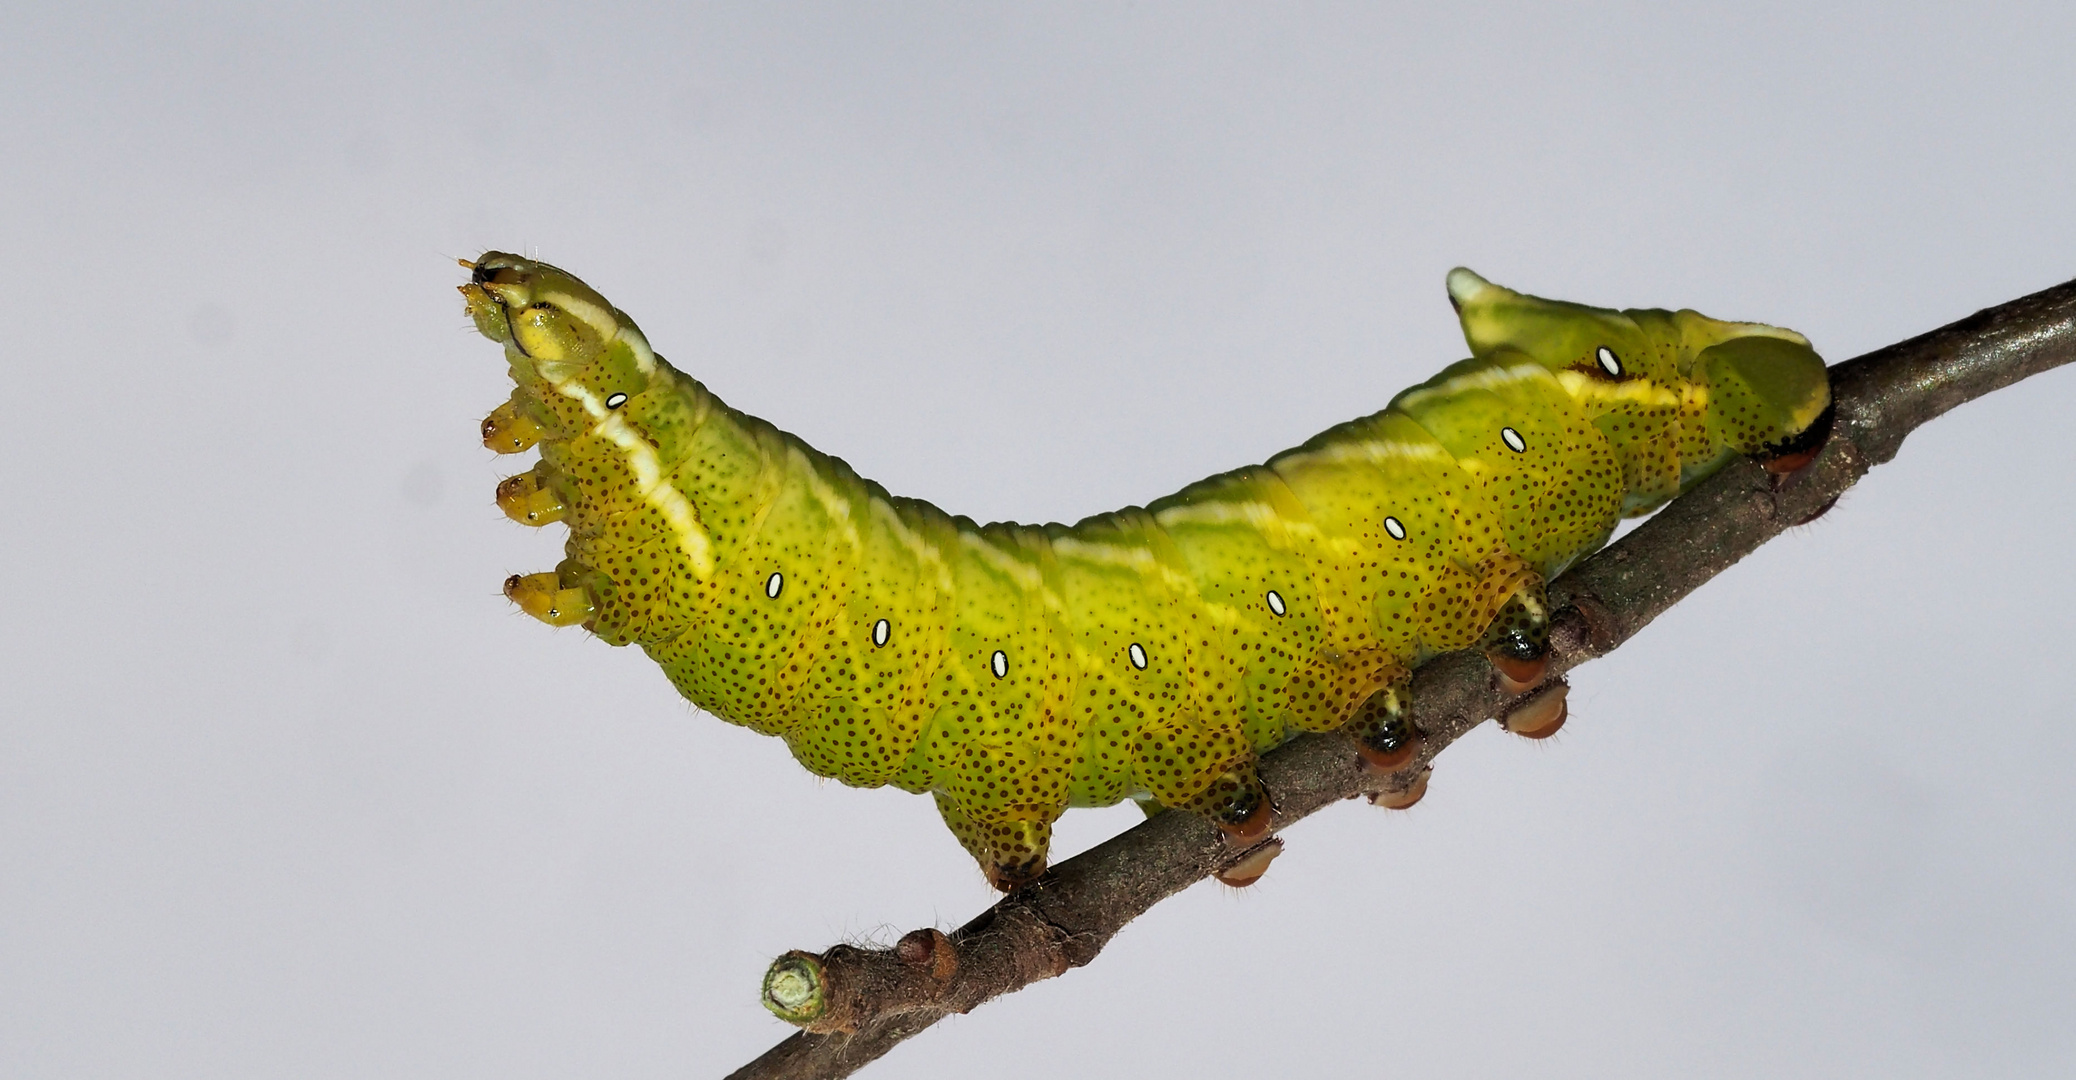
(1767, 391)
(587, 355)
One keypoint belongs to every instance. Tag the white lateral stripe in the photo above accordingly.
(644, 356)
(1023, 573)
(1377, 450)
(1642, 391)
(1135, 556)
(1216, 513)
(1482, 379)
(600, 319)
(657, 491)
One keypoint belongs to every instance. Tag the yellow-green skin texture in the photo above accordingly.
(1153, 652)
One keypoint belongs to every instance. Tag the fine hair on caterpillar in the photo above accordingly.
(1152, 653)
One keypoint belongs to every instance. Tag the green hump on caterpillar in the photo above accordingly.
(1014, 671)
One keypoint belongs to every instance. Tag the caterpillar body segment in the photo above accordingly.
(1014, 671)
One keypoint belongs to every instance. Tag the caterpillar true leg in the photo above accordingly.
(510, 431)
(544, 597)
(531, 499)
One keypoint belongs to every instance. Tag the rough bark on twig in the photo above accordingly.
(866, 1001)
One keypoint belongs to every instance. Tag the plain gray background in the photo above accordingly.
(287, 788)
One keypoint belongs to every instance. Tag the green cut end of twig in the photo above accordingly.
(794, 988)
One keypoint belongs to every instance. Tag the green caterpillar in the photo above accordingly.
(1152, 653)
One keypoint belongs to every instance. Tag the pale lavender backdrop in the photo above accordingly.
(287, 789)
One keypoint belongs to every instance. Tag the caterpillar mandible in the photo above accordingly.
(1014, 671)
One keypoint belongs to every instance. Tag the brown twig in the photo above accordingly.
(855, 1004)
